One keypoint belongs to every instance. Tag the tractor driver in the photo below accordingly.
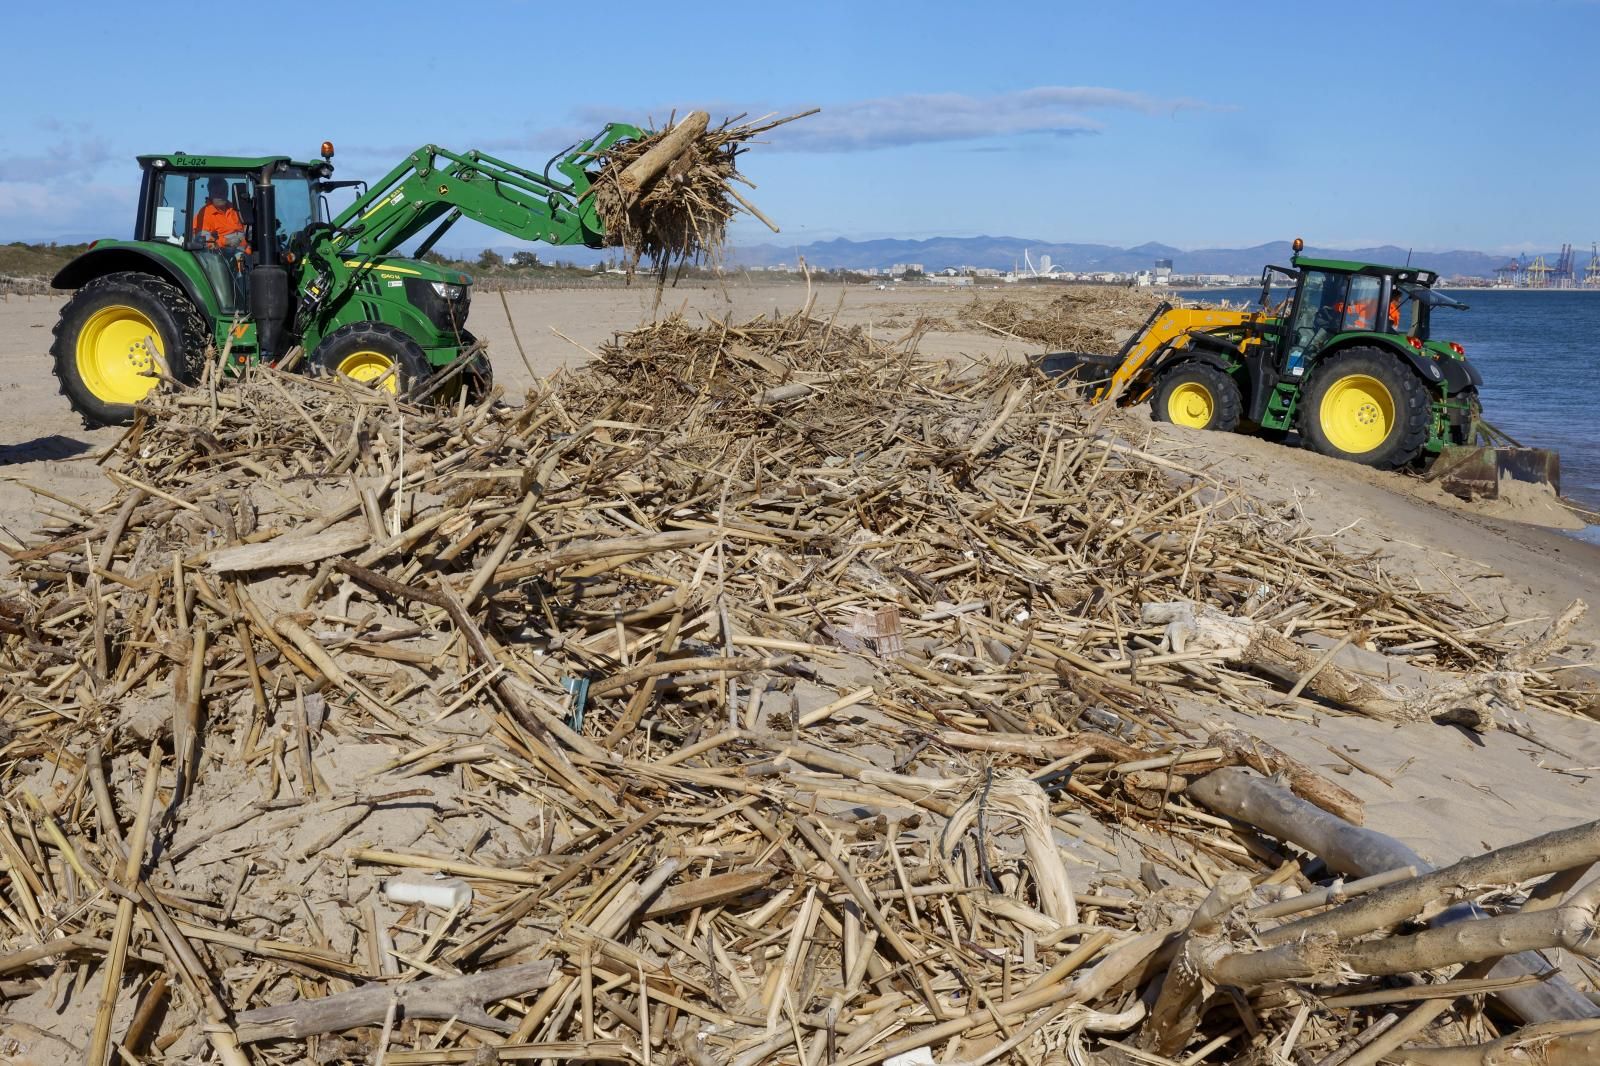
(217, 224)
(1358, 314)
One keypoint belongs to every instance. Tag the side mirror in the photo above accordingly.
(1266, 292)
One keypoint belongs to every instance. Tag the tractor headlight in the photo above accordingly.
(444, 304)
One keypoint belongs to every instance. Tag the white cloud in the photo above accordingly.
(894, 121)
(64, 210)
(72, 157)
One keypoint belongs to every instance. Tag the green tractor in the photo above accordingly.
(1348, 360)
(290, 275)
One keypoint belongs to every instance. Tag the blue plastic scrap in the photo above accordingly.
(577, 699)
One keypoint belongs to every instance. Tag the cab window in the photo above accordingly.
(294, 207)
(1361, 302)
(1322, 300)
(1402, 313)
(238, 194)
(173, 210)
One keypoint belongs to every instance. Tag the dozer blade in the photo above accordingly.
(1081, 367)
(1469, 470)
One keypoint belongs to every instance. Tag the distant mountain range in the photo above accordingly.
(1002, 253)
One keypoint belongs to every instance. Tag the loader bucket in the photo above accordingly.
(1468, 470)
(1081, 367)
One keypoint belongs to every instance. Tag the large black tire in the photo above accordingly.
(476, 379)
(1368, 406)
(99, 353)
(1197, 395)
(480, 378)
(367, 352)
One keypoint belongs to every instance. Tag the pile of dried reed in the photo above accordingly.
(754, 694)
(1084, 318)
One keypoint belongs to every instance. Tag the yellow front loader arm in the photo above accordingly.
(1163, 330)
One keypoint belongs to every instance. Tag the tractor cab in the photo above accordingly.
(207, 206)
(1336, 300)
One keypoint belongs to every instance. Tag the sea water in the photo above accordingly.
(1539, 353)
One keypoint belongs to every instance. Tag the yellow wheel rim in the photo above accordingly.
(1191, 404)
(367, 367)
(113, 354)
(1357, 414)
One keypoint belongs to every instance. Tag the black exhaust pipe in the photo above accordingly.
(269, 281)
(269, 307)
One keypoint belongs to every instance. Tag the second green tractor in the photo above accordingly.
(1347, 359)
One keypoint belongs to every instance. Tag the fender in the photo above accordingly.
(373, 300)
(1437, 372)
(1202, 348)
(1460, 374)
(113, 258)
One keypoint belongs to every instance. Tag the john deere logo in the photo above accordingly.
(444, 189)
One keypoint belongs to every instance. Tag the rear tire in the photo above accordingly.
(1199, 396)
(372, 353)
(1365, 405)
(99, 351)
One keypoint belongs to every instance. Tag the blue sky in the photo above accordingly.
(1426, 125)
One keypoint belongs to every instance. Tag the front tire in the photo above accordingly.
(101, 348)
(1199, 396)
(1365, 405)
(371, 353)
(476, 378)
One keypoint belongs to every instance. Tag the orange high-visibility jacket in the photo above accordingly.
(221, 222)
(1358, 314)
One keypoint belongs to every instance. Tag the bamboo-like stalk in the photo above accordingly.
(111, 980)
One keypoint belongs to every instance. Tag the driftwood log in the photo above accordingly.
(672, 144)
(1471, 700)
(1559, 1044)
(463, 998)
(1362, 852)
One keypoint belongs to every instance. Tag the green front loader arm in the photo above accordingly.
(436, 186)
(351, 271)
